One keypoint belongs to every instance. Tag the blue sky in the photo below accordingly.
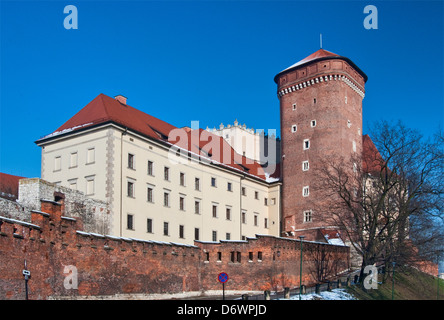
(211, 61)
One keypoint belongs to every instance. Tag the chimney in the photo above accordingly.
(121, 99)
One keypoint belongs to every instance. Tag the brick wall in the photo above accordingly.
(109, 265)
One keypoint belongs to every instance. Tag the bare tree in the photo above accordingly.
(372, 197)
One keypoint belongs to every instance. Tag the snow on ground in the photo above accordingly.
(335, 294)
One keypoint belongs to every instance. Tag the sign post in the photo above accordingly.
(223, 277)
(27, 274)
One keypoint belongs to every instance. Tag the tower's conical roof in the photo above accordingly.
(321, 54)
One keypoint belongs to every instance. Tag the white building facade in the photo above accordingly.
(118, 154)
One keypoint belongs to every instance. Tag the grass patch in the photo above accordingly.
(410, 284)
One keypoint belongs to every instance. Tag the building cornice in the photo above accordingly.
(323, 78)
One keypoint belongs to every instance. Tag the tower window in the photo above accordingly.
(294, 128)
(307, 216)
(314, 100)
(294, 106)
(305, 166)
(313, 123)
(306, 144)
(305, 191)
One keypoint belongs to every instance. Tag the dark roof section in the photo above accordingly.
(320, 55)
(9, 186)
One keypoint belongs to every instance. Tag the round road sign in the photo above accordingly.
(222, 277)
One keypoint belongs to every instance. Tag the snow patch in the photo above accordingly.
(335, 294)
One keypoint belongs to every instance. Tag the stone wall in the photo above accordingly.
(93, 213)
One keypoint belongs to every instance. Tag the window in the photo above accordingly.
(130, 161)
(255, 219)
(150, 168)
(182, 203)
(294, 128)
(306, 144)
(256, 195)
(244, 191)
(345, 99)
(197, 184)
(89, 185)
(349, 124)
(166, 199)
(250, 256)
(196, 233)
(130, 189)
(149, 225)
(73, 184)
(244, 217)
(265, 223)
(214, 210)
(239, 255)
(197, 207)
(305, 165)
(213, 182)
(90, 156)
(130, 222)
(305, 191)
(214, 235)
(307, 216)
(166, 173)
(219, 256)
(259, 255)
(354, 146)
(57, 163)
(149, 194)
(228, 213)
(165, 229)
(181, 232)
(294, 106)
(182, 179)
(228, 236)
(73, 160)
(314, 100)
(229, 186)
(313, 123)
(265, 201)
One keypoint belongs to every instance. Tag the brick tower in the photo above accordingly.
(321, 113)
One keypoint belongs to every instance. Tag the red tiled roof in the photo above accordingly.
(372, 161)
(105, 109)
(9, 186)
(321, 54)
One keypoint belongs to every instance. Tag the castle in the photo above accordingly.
(196, 190)
(184, 184)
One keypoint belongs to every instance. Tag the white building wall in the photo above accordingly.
(112, 174)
